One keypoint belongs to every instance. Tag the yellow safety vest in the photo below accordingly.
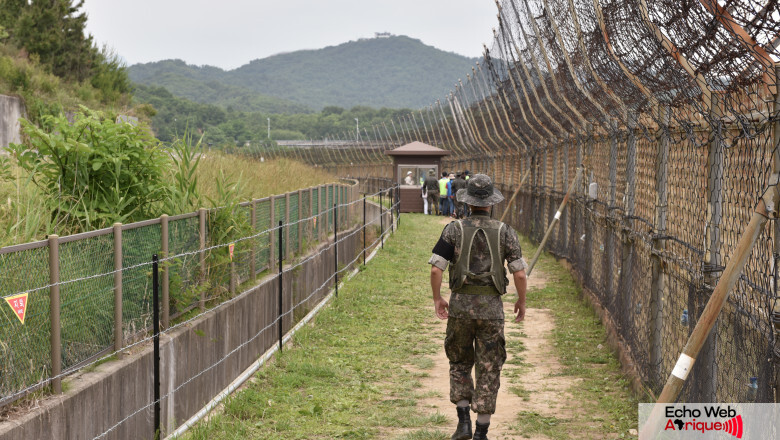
(443, 186)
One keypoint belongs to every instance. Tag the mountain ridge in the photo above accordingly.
(394, 72)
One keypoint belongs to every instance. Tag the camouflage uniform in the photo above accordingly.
(475, 328)
(433, 194)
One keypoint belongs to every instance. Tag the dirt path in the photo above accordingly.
(533, 376)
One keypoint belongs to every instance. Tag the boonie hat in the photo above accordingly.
(479, 192)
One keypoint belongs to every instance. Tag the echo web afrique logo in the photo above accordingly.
(686, 419)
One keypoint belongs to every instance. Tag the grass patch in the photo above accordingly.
(605, 406)
(535, 423)
(343, 376)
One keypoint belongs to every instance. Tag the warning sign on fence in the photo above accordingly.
(18, 304)
(231, 246)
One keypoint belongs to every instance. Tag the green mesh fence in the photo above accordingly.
(87, 307)
(24, 348)
(183, 239)
(87, 293)
(293, 222)
(263, 223)
(329, 207)
(138, 246)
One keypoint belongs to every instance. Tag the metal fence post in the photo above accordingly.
(166, 294)
(272, 224)
(300, 223)
(365, 245)
(658, 282)
(156, 342)
(202, 256)
(118, 333)
(233, 280)
(336, 248)
(309, 227)
(626, 273)
(705, 373)
(281, 285)
(609, 269)
(287, 247)
(253, 244)
(381, 219)
(54, 314)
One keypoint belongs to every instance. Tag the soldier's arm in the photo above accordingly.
(443, 252)
(517, 266)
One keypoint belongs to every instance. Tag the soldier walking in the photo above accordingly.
(474, 249)
(432, 187)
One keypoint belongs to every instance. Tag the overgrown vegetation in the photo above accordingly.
(94, 172)
(73, 177)
(46, 58)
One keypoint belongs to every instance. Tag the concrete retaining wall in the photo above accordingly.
(11, 109)
(198, 360)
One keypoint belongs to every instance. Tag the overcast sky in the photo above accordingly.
(230, 33)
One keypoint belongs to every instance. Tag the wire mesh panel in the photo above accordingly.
(87, 306)
(25, 358)
(293, 221)
(263, 215)
(184, 267)
(138, 247)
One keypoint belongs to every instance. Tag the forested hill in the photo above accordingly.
(394, 72)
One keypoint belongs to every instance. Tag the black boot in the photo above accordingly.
(463, 431)
(481, 432)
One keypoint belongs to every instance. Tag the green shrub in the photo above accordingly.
(94, 172)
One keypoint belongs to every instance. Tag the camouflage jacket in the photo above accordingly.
(477, 306)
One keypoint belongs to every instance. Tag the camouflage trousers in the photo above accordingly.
(477, 343)
(433, 202)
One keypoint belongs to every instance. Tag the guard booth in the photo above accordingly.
(411, 165)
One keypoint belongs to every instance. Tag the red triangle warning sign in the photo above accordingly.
(231, 247)
(19, 305)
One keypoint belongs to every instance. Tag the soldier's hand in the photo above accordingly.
(441, 307)
(519, 310)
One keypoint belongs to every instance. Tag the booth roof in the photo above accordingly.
(417, 149)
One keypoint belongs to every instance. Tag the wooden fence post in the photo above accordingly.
(287, 247)
(54, 314)
(118, 333)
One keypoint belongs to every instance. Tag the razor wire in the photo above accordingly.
(672, 110)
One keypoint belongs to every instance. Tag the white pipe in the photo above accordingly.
(249, 372)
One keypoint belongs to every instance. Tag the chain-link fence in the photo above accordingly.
(89, 295)
(671, 110)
